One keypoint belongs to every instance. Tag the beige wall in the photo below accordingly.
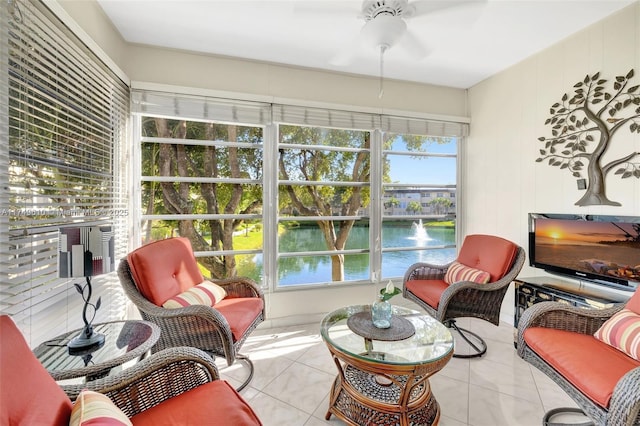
(88, 21)
(502, 181)
(274, 82)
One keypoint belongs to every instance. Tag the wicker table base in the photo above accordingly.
(380, 404)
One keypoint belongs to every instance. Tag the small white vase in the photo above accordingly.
(381, 313)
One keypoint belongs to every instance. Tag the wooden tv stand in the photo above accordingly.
(531, 290)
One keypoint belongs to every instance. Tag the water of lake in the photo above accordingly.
(317, 269)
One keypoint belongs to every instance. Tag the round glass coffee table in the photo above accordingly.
(124, 341)
(385, 381)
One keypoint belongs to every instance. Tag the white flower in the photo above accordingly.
(390, 288)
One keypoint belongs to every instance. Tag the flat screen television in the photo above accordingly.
(600, 249)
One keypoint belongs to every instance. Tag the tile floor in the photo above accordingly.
(294, 373)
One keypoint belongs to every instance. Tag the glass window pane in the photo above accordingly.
(322, 136)
(421, 170)
(316, 182)
(205, 161)
(395, 264)
(305, 270)
(296, 237)
(419, 202)
(201, 198)
(204, 151)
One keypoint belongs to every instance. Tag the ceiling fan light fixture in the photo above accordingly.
(384, 30)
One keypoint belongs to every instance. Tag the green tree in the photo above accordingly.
(414, 207)
(440, 205)
(207, 161)
(393, 202)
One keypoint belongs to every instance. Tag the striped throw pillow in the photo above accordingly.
(622, 331)
(93, 408)
(459, 272)
(205, 293)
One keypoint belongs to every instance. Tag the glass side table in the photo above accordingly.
(384, 381)
(124, 341)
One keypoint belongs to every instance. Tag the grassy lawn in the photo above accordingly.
(248, 240)
(447, 224)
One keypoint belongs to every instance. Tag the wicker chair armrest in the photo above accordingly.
(240, 287)
(624, 407)
(563, 317)
(425, 271)
(162, 376)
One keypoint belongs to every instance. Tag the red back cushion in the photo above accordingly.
(28, 394)
(164, 268)
(633, 304)
(488, 253)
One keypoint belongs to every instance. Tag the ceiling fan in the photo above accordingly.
(386, 27)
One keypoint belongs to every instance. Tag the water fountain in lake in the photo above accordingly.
(419, 232)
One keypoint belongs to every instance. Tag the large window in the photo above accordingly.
(203, 180)
(296, 196)
(62, 166)
(419, 201)
(323, 187)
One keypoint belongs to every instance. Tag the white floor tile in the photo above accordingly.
(301, 386)
(492, 408)
(273, 412)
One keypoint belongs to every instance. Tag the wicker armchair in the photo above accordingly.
(624, 406)
(425, 284)
(186, 368)
(219, 330)
(173, 386)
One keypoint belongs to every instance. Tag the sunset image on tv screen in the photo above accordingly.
(603, 248)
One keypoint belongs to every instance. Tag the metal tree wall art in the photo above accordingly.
(582, 127)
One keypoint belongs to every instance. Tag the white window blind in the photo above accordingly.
(341, 119)
(63, 164)
(161, 104)
(164, 104)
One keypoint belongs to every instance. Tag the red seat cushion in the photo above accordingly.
(164, 268)
(590, 365)
(428, 291)
(488, 253)
(240, 312)
(28, 394)
(214, 403)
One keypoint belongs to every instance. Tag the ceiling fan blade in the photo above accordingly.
(412, 45)
(426, 7)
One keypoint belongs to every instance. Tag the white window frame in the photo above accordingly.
(272, 114)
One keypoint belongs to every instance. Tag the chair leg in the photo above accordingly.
(476, 342)
(248, 362)
(547, 420)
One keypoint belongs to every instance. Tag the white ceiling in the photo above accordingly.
(467, 43)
